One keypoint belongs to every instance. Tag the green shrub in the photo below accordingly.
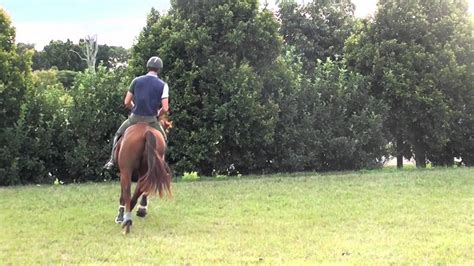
(335, 125)
(67, 78)
(190, 176)
(42, 127)
(15, 77)
(96, 113)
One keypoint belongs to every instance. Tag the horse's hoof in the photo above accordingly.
(141, 212)
(119, 218)
(126, 226)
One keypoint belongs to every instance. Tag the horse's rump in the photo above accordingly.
(141, 151)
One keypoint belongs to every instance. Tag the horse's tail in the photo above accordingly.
(158, 175)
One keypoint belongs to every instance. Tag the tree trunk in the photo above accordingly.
(400, 161)
(399, 153)
(420, 155)
(205, 168)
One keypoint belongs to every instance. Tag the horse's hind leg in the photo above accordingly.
(126, 182)
(121, 210)
(136, 195)
(142, 208)
(141, 212)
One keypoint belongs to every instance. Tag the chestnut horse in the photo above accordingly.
(141, 156)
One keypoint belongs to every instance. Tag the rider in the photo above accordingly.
(148, 99)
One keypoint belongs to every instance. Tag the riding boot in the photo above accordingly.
(110, 164)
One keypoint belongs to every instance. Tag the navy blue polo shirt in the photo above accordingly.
(148, 90)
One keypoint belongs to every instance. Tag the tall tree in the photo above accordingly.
(454, 75)
(316, 29)
(59, 55)
(333, 124)
(42, 127)
(408, 52)
(213, 53)
(15, 73)
(112, 57)
(96, 112)
(89, 48)
(146, 44)
(22, 48)
(68, 56)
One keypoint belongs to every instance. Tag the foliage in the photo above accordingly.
(67, 78)
(193, 176)
(64, 56)
(316, 29)
(112, 57)
(308, 88)
(218, 48)
(23, 48)
(42, 124)
(418, 57)
(14, 80)
(96, 113)
(283, 83)
(61, 55)
(63, 134)
(38, 140)
(335, 125)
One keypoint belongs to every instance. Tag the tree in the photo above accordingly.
(405, 52)
(96, 113)
(14, 80)
(23, 48)
(69, 56)
(316, 29)
(42, 124)
(58, 54)
(89, 48)
(146, 45)
(218, 50)
(335, 125)
(112, 57)
(455, 78)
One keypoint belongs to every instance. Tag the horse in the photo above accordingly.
(141, 157)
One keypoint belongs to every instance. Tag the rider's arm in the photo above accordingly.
(164, 107)
(128, 100)
(164, 101)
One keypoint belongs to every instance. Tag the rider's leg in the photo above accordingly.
(110, 164)
(157, 125)
(133, 119)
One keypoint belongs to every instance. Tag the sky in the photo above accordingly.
(116, 22)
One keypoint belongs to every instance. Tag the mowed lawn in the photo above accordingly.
(368, 217)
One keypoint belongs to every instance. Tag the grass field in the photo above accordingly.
(368, 217)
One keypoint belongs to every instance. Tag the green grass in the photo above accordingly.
(368, 217)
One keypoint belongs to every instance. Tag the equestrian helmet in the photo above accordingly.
(154, 62)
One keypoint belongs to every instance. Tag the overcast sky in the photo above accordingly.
(116, 22)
